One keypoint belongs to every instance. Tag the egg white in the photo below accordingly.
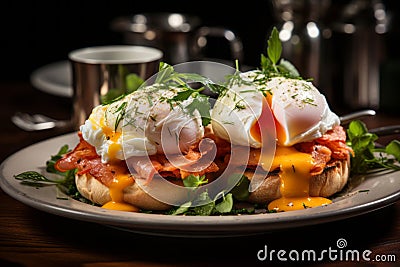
(142, 123)
(300, 111)
(235, 112)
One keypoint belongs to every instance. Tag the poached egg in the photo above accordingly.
(142, 123)
(300, 111)
(300, 114)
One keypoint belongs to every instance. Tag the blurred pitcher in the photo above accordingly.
(181, 37)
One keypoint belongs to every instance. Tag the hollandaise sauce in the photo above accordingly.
(116, 193)
(295, 177)
(121, 180)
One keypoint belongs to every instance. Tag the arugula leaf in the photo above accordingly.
(114, 94)
(33, 178)
(165, 71)
(168, 76)
(183, 95)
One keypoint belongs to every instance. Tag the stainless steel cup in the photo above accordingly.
(100, 71)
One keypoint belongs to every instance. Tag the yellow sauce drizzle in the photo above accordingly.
(116, 193)
(297, 203)
(295, 177)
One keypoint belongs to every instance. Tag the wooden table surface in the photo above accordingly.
(29, 237)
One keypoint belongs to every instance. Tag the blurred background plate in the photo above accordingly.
(54, 78)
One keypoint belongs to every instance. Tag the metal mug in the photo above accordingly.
(101, 70)
(180, 36)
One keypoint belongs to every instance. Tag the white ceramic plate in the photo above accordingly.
(54, 78)
(383, 189)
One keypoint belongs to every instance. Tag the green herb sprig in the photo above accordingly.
(215, 206)
(367, 155)
(65, 181)
(273, 65)
(168, 77)
(222, 204)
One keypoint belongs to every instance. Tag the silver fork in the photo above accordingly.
(356, 115)
(37, 122)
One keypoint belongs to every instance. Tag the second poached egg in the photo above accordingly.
(301, 113)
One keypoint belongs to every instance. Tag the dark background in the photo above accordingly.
(36, 33)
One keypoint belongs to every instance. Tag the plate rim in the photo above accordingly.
(170, 225)
(37, 80)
